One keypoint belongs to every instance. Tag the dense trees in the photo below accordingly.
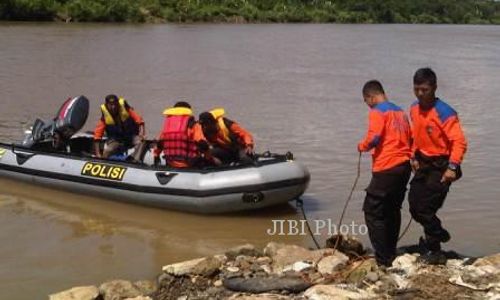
(340, 11)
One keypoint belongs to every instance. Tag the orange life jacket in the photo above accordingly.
(176, 142)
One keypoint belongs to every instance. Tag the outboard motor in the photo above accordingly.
(69, 119)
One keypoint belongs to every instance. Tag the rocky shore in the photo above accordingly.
(281, 271)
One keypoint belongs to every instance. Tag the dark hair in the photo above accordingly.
(373, 87)
(182, 104)
(207, 118)
(425, 75)
(111, 98)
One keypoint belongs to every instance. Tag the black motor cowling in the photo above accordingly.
(70, 118)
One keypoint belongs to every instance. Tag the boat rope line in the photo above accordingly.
(300, 204)
(406, 229)
(153, 189)
(358, 174)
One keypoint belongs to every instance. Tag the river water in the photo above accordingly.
(295, 87)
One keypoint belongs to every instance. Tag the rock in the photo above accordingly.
(218, 283)
(264, 260)
(206, 266)
(118, 289)
(140, 298)
(233, 269)
(259, 297)
(247, 249)
(266, 284)
(146, 287)
(284, 255)
(316, 278)
(331, 264)
(454, 263)
(77, 293)
(347, 244)
(372, 277)
(266, 269)
(331, 292)
(492, 260)
(301, 266)
(407, 263)
(358, 271)
(221, 257)
(272, 248)
(298, 267)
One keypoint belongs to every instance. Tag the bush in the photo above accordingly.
(29, 10)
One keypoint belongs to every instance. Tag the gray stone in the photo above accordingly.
(492, 260)
(301, 266)
(347, 244)
(77, 293)
(372, 277)
(266, 284)
(264, 260)
(358, 271)
(247, 249)
(259, 297)
(331, 292)
(118, 289)
(284, 255)
(331, 264)
(146, 287)
(205, 266)
(407, 263)
(233, 269)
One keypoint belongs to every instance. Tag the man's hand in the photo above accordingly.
(449, 176)
(249, 150)
(414, 165)
(359, 148)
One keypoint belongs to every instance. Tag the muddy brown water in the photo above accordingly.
(295, 87)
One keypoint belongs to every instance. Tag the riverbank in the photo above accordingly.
(254, 11)
(281, 271)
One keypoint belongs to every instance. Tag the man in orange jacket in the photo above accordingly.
(181, 139)
(438, 148)
(388, 139)
(124, 129)
(229, 140)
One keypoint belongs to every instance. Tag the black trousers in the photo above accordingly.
(231, 155)
(382, 207)
(426, 197)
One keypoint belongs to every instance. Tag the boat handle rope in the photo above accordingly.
(300, 204)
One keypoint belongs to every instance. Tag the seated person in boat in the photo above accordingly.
(230, 142)
(124, 129)
(181, 139)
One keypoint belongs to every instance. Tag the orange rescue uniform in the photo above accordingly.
(388, 136)
(437, 132)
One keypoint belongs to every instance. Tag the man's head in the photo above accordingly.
(208, 124)
(111, 102)
(425, 85)
(182, 104)
(373, 93)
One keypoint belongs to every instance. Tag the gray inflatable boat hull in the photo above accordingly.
(269, 182)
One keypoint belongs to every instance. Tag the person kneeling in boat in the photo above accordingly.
(230, 142)
(124, 129)
(181, 139)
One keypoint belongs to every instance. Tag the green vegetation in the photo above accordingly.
(338, 11)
